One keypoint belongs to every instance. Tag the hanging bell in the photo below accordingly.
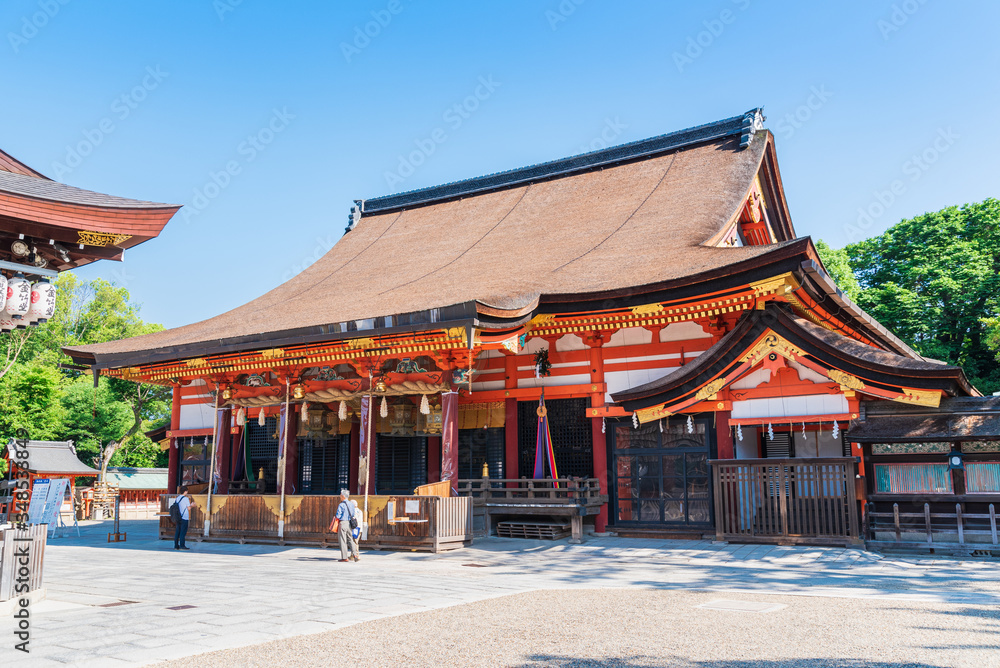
(425, 405)
(260, 418)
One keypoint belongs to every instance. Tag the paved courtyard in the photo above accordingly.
(142, 602)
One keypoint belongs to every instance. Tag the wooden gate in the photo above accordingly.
(786, 500)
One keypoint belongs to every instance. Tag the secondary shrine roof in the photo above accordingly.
(955, 419)
(70, 226)
(54, 458)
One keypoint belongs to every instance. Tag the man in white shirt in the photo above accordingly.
(184, 506)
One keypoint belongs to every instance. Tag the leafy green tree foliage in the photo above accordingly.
(838, 265)
(934, 280)
(41, 394)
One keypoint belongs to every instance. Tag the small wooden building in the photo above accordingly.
(699, 365)
(139, 490)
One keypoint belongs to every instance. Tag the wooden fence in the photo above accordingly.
(412, 522)
(786, 500)
(12, 569)
(959, 532)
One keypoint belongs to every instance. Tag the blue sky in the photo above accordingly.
(267, 119)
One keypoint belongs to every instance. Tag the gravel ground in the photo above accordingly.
(640, 628)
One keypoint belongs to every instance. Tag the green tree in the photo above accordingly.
(934, 281)
(838, 265)
(40, 391)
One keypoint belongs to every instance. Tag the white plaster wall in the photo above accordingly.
(570, 342)
(196, 416)
(777, 407)
(555, 381)
(805, 373)
(680, 331)
(752, 379)
(624, 380)
(630, 336)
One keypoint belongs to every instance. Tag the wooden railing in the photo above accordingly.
(13, 542)
(414, 522)
(932, 530)
(586, 491)
(786, 500)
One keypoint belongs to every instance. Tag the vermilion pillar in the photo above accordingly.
(724, 436)
(172, 453)
(599, 437)
(449, 437)
(510, 461)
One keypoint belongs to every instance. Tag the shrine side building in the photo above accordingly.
(704, 371)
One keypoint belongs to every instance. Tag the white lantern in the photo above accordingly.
(18, 297)
(43, 302)
(6, 324)
(3, 292)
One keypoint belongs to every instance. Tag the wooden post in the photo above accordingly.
(211, 464)
(511, 466)
(598, 434)
(173, 465)
(449, 437)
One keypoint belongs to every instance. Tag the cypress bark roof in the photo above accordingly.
(618, 219)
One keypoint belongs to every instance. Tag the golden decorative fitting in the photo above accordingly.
(273, 353)
(198, 361)
(354, 344)
(710, 392)
(777, 285)
(541, 411)
(458, 333)
(845, 380)
(772, 343)
(720, 405)
(647, 309)
(101, 239)
(930, 398)
(512, 344)
(652, 413)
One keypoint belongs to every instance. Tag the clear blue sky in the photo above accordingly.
(873, 83)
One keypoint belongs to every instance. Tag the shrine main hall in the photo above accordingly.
(702, 373)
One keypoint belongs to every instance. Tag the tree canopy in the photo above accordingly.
(53, 402)
(934, 281)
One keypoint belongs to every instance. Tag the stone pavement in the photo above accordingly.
(141, 602)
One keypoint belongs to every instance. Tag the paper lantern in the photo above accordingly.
(18, 297)
(43, 302)
(3, 292)
(6, 324)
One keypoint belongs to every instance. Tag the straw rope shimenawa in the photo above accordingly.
(593, 231)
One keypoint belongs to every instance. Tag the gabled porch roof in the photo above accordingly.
(768, 338)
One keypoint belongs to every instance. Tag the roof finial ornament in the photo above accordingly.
(355, 216)
(753, 121)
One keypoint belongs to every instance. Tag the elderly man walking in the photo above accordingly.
(342, 525)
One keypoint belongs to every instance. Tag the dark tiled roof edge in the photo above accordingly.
(744, 126)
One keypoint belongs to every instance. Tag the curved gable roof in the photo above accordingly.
(613, 227)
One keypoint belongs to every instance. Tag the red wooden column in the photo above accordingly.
(449, 437)
(724, 435)
(172, 453)
(292, 451)
(225, 449)
(352, 468)
(510, 460)
(433, 458)
(599, 437)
